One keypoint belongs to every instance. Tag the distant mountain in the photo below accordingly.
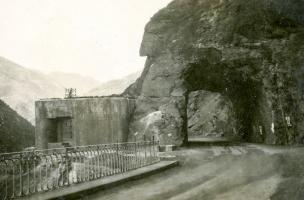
(83, 84)
(16, 133)
(114, 86)
(21, 87)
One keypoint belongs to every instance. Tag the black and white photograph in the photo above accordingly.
(152, 99)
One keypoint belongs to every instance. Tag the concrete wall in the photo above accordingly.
(94, 120)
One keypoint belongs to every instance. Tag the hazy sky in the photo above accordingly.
(99, 38)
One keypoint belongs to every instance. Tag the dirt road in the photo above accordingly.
(246, 172)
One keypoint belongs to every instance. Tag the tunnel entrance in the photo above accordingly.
(236, 87)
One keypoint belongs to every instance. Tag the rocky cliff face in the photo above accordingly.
(251, 52)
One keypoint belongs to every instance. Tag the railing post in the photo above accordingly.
(6, 196)
(112, 153)
(69, 166)
(28, 175)
(118, 158)
(77, 172)
(21, 174)
(49, 165)
(108, 159)
(90, 161)
(40, 174)
(57, 180)
(103, 161)
(46, 172)
(129, 153)
(150, 156)
(127, 157)
(98, 162)
(133, 155)
(34, 171)
(61, 169)
(83, 169)
(145, 145)
(13, 179)
(153, 148)
(140, 153)
(124, 158)
(136, 155)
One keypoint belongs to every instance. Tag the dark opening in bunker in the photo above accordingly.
(61, 130)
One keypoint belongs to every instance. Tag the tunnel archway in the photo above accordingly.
(236, 86)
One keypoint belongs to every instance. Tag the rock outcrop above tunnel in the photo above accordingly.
(251, 52)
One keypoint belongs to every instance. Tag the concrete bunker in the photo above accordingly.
(82, 121)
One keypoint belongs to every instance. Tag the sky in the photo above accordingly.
(97, 38)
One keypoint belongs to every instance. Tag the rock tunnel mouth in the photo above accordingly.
(233, 85)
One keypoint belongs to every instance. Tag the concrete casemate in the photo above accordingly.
(82, 121)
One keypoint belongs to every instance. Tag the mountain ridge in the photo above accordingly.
(116, 86)
(16, 133)
(83, 84)
(20, 87)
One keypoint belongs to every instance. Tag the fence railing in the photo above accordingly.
(29, 172)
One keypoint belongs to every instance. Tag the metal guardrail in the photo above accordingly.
(28, 172)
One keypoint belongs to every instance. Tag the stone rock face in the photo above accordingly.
(159, 117)
(210, 115)
(251, 52)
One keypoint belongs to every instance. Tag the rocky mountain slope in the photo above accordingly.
(251, 52)
(114, 86)
(16, 133)
(20, 87)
